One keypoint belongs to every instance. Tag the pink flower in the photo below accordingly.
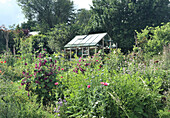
(79, 60)
(88, 86)
(102, 83)
(28, 94)
(62, 68)
(61, 76)
(106, 84)
(56, 83)
(97, 60)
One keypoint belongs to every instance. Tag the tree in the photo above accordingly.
(120, 18)
(2, 40)
(83, 16)
(47, 13)
(61, 34)
(29, 25)
(6, 35)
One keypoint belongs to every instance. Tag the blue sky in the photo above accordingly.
(11, 13)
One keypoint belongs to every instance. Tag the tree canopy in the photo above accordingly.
(120, 18)
(47, 13)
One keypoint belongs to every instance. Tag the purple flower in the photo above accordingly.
(55, 61)
(58, 115)
(44, 49)
(28, 94)
(40, 64)
(23, 73)
(37, 82)
(58, 111)
(25, 63)
(22, 84)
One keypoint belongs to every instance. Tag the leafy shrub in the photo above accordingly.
(42, 79)
(152, 40)
(14, 102)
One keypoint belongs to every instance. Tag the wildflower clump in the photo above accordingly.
(42, 81)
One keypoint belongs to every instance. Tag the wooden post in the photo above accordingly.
(64, 53)
(110, 45)
(103, 46)
(70, 54)
(88, 51)
(76, 50)
(95, 50)
(82, 52)
(14, 50)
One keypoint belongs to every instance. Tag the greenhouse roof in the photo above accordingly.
(85, 40)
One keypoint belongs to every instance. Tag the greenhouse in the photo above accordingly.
(86, 45)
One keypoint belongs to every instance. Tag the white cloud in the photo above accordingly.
(11, 13)
(82, 3)
(4, 1)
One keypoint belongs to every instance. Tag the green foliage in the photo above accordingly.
(59, 36)
(2, 41)
(151, 40)
(47, 13)
(120, 18)
(132, 90)
(40, 41)
(14, 102)
(41, 80)
(62, 34)
(116, 86)
(30, 25)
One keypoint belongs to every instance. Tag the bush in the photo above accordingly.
(152, 40)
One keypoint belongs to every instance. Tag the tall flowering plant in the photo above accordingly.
(42, 81)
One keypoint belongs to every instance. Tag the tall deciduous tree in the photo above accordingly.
(47, 12)
(120, 18)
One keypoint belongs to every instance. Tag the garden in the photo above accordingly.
(37, 79)
(115, 85)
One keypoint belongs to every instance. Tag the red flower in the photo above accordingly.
(61, 76)
(4, 61)
(56, 83)
(1, 61)
(100, 66)
(88, 86)
(106, 84)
